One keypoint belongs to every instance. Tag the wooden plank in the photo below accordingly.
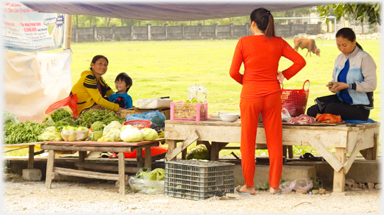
(348, 164)
(106, 167)
(285, 151)
(326, 154)
(339, 176)
(94, 143)
(49, 172)
(290, 151)
(191, 138)
(121, 173)
(171, 146)
(31, 156)
(86, 174)
(371, 153)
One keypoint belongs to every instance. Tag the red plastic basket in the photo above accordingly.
(140, 124)
(295, 101)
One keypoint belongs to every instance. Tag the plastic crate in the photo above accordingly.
(198, 180)
(189, 111)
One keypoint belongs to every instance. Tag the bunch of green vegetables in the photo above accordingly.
(19, 132)
(68, 121)
(87, 118)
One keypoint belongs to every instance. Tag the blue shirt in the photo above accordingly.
(343, 78)
(127, 98)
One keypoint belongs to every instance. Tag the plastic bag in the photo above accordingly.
(155, 117)
(50, 134)
(70, 101)
(297, 184)
(148, 182)
(285, 116)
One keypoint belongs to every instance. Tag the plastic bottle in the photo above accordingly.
(202, 94)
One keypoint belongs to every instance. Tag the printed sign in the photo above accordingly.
(28, 30)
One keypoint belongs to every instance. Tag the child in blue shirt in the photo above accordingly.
(123, 83)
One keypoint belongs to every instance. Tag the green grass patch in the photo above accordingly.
(168, 68)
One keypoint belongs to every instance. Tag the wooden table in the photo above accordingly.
(345, 138)
(31, 151)
(84, 146)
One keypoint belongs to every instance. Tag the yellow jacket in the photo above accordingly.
(88, 93)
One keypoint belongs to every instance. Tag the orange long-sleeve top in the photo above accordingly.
(261, 58)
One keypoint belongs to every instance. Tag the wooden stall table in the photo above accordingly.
(345, 138)
(31, 151)
(84, 146)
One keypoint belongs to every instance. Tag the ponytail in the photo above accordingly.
(358, 45)
(270, 30)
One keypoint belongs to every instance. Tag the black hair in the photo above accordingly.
(347, 33)
(264, 21)
(97, 57)
(124, 77)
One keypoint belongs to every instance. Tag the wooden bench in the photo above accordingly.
(345, 138)
(83, 146)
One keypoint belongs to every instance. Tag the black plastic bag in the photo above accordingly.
(322, 102)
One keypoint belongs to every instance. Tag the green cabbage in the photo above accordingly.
(9, 117)
(50, 134)
(96, 135)
(131, 134)
(149, 134)
(198, 152)
(97, 126)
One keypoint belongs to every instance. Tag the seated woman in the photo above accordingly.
(91, 89)
(353, 80)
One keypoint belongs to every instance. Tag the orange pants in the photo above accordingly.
(270, 108)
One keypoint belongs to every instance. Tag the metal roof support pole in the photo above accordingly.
(67, 31)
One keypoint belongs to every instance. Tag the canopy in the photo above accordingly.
(164, 11)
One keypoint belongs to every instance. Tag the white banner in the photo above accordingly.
(27, 30)
(33, 81)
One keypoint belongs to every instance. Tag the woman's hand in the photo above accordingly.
(280, 77)
(335, 87)
(119, 111)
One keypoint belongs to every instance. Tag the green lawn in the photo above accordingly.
(168, 68)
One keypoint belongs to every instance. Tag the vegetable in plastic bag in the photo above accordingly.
(97, 126)
(131, 134)
(113, 125)
(50, 134)
(70, 133)
(297, 184)
(113, 135)
(149, 134)
(148, 182)
(96, 135)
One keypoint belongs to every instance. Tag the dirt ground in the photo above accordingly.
(97, 197)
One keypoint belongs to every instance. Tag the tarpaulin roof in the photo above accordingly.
(171, 11)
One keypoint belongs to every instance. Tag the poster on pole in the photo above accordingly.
(27, 30)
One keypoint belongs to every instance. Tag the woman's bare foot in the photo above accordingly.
(274, 190)
(251, 190)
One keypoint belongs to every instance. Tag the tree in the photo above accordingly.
(354, 11)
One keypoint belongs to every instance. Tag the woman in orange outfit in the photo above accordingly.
(261, 93)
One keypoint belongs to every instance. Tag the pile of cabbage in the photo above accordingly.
(149, 182)
(115, 132)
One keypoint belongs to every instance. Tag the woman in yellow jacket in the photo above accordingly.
(91, 88)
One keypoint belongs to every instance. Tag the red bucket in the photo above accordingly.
(140, 124)
(295, 101)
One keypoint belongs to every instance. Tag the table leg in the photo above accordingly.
(121, 173)
(31, 156)
(82, 155)
(139, 157)
(184, 154)
(290, 151)
(148, 158)
(215, 149)
(50, 165)
(339, 177)
(171, 146)
(285, 150)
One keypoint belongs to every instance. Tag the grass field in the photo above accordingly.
(168, 68)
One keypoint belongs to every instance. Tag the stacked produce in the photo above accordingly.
(59, 125)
